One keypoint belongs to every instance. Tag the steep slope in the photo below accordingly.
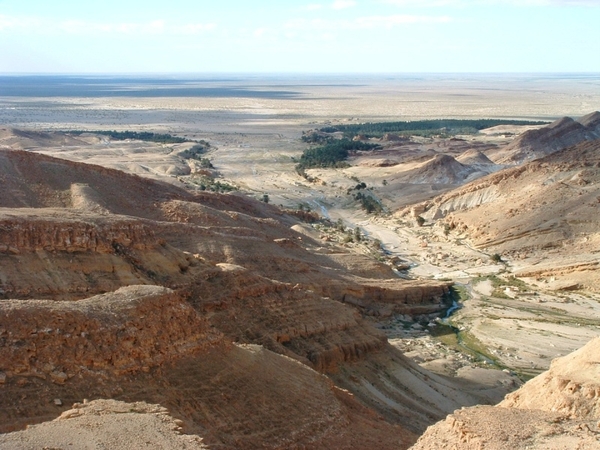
(474, 158)
(562, 133)
(148, 343)
(529, 211)
(106, 424)
(558, 409)
(591, 120)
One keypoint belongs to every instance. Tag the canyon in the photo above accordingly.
(134, 302)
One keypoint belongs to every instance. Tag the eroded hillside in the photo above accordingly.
(215, 274)
(542, 215)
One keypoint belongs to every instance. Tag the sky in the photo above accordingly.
(294, 36)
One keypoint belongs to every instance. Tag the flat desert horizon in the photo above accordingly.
(256, 100)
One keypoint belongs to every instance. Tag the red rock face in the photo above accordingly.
(25, 234)
(135, 328)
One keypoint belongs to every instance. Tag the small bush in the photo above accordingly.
(496, 258)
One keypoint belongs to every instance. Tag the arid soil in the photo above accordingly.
(287, 306)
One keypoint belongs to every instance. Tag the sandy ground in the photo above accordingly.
(105, 424)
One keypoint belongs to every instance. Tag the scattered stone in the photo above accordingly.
(58, 402)
(58, 377)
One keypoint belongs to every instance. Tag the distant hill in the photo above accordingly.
(474, 158)
(559, 134)
(27, 139)
(441, 169)
(447, 170)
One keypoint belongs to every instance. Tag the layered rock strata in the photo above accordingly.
(135, 328)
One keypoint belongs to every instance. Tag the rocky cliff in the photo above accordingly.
(134, 328)
(147, 343)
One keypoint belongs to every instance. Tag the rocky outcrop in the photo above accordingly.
(127, 331)
(287, 319)
(239, 397)
(571, 386)
(28, 232)
(558, 409)
(528, 211)
(389, 297)
(62, 255)
(107, 424)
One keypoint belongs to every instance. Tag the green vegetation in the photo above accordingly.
(499, 284)
(423, 127)
(313, 137)
(459, 293)
(138, 135)
(332, 154)
(368, 202)
(496, 258)
(446, 334)
(208, 183)
(195, 152)
(206, 164)
(476, 348)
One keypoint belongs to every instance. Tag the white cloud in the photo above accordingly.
(423, 3)
(465, 3)
(394, 20)
(343, 4)
(259, 32)
(364, 23)
(9, 22)
(80, 27)
(195, 28)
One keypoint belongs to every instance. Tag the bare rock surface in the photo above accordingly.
(120, 332)
(106, 424)
(559, 409)
(571, 386)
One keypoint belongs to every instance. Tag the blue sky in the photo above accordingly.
(330, 36)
